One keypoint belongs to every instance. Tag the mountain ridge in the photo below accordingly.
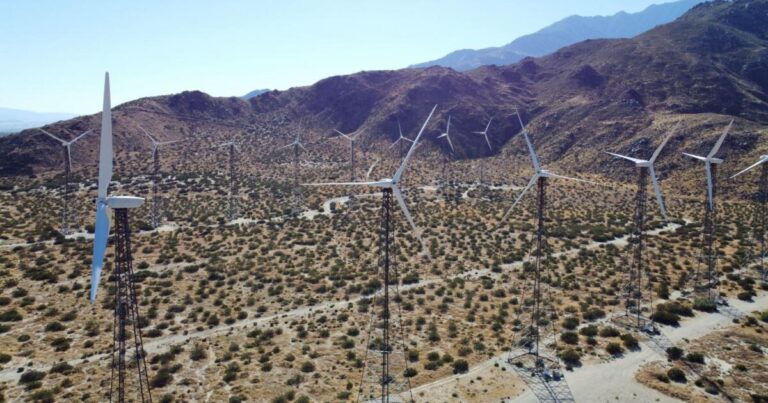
(565, 32)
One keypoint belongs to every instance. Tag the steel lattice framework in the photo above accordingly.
(127, 332)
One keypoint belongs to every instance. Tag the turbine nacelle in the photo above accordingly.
(128, 202)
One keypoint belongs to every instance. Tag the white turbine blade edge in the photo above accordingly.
(488, 125)
(285, 146)
(377, 184)
(663, 143)
(534, 157)
(399, 129)
(149, 136)
(710, 185)
(719, 142)
(105, 146)
(394, 144)
(762, 160)
(572, 179)
(404, 208)
(101, 235)
(52, 136)
(80, 136)
(696, 157)
(450, 143)
(69, 156)
(448, 127)
(635, 160)
(657, 191)
(401, 169)
(520, 196)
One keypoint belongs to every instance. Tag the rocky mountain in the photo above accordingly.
(705, 68)
(565, 32)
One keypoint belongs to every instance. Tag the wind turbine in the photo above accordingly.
(446, 135)
(534, 366)
(389, 188)
(126, 304)
(351, 137)
(232, 195)
(66, 147)
(400, 140)
(297, 147)
(484, 133)
(157, 214)
(706, 284)
(760, 220)
(634, 289)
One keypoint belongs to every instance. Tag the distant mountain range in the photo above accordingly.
(255, 93)
(705, 68)
(14, 120)
(565, 32)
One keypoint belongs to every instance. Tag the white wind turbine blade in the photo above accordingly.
(703, 159)
(550, 174)
(146, 133)
(761, 161)
(404, 208)
(63, 142)
(368, 174)
(399, 129)
(79, 137)
(534, 157)
(719, 142)
(663, 143)
(376, 184)
(343, 135)
(395, 143)
(657, 191)
(105, 146)
(165, 143)
(448, 126)
(635, 160)
(710, 184)
(69, 156)
(519, 197)
(286, 146)
(488, 125)
(399, 172)
(101, 231)
(447, 137)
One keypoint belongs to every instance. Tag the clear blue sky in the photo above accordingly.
(53, 53)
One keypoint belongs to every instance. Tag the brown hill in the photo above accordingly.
(706, 67)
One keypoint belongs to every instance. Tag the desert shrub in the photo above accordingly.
(4, 358)
(745, 296)
(674, 353)
(695, 357)
(569, 338)
(197, 353)
(630, 342)
(593, 314)
(571, 357)
(410, 372)
(666, 318)
(570, 323)
(677, 375)
(54, 327)
(704, 305)
(10, 315)
(162, 378)
(43, 396)
(662, 377)
(614, 348)
(307, 366)
(609, 332)
(31, 376)
(460, 366)
(61, 368)
(589, 331)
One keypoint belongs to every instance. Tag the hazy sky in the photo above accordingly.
(53, 53)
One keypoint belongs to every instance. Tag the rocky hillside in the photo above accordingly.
(704, 68)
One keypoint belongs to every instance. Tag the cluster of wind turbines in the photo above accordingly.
(126, 305)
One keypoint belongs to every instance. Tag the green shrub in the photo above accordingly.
(614, 348)
(674, 353)
(589, 331)
(460, 366)
(569, 338)
(609, 332)
(695, 357)
(630, 342)
(704, 305)
(677, 375)
(571, 357)
(31, 376)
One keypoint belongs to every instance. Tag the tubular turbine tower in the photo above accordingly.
(636, 291)
(126, 331)
(391, 383)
